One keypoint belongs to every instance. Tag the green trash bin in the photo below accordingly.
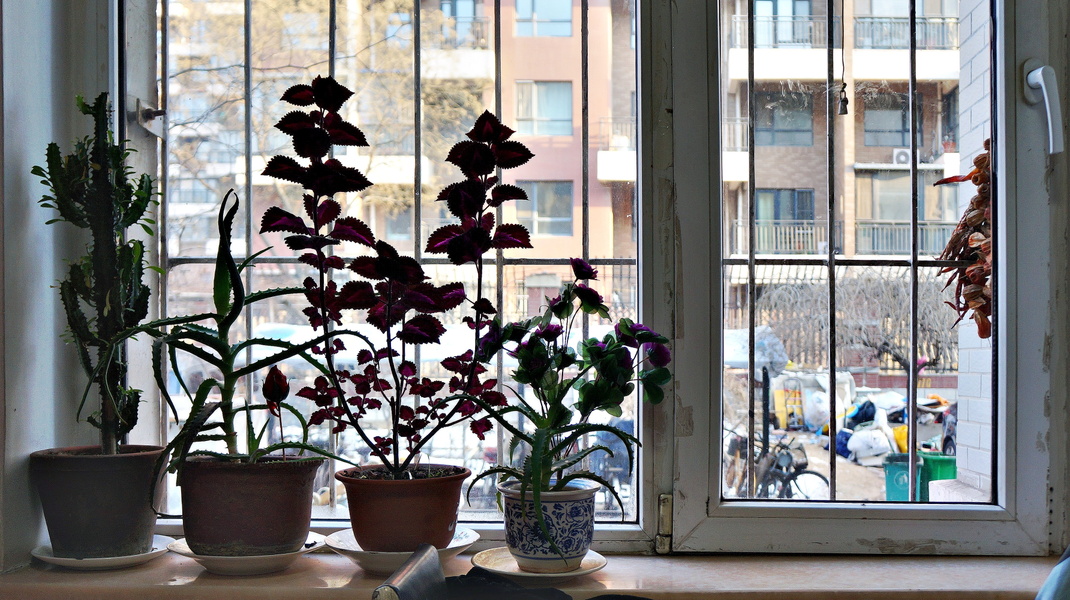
(897, 477)
(936, 465)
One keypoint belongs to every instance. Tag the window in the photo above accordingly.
(783, 23)
(544, 107)
(949, 123)
(783, 119)
(537, 18)
(549, 207)
(886, 121)
(883, 212)
(795, 205)
(571, 213)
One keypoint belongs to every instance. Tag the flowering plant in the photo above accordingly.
(603, 372)
(394, 292)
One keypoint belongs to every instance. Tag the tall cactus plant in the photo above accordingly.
(103, 294)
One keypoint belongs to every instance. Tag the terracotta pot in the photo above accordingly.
(96, 505)
(238, 509)
(569, 515)
(399, 515)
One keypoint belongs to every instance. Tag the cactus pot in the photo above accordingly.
(97, 505)
(390, 515)
(239, 509)
(569, 516)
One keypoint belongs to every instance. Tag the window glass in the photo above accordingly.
(544, 107)
(551, 18)
(783, 119)
(548, 210)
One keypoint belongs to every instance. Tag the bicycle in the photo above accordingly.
(781, 472)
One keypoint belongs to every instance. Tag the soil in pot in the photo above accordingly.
(569, 515)
(397, 515)
(97, 505)
(239, 509)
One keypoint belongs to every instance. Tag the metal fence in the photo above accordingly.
(891, 237)
(786, 32)
(786, 236)
(934, 33)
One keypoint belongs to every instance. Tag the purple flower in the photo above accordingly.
(549, 331)
(582, 269)
(658, 354)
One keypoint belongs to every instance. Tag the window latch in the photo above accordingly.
(1042, 77)
(663, 541)
(149, 118)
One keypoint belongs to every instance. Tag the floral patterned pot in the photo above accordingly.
(569, 516)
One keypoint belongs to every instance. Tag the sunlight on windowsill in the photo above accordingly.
(806, 577)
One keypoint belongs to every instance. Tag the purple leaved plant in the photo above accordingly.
(394, 292)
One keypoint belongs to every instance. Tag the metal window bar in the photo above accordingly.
(830, 119)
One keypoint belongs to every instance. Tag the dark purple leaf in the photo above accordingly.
(421, 329)
(277, 219)
(489, 129)
(366, 266)
(357, 295)
(306, 242)
(408, 369)
(506, 192)
(469, 246)
(287, 169)
(511, 154)
(511, 235)
(438, 242)
(484, 306)
(464, 199)
(329, 94)
(343, 133)
(352, 229)
(327, 211)
(332, 177)
(295, 121)
(301, 95)
(472, 157)
(312, 142)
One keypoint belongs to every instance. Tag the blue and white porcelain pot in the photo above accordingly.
(569, 515)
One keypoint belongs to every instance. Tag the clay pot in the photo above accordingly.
(239, 509)
(569, 515)
(399, 515)
(97, 505)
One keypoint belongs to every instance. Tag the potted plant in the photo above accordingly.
(96, 499)
(236, 501)
(402, 304)
(549, 496)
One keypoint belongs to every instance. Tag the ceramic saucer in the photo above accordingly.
(385, 563)
(501, 562)
(159, 546)
(247, 565)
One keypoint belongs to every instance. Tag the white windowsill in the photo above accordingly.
(768, 577)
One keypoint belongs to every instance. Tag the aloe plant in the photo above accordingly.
(103, 294)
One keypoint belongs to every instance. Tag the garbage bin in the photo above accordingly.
(936, 466)
(897, 477)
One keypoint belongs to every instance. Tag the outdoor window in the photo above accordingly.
(886, 120)
(783, 119)
(783, 23)
(538, 18)
(549, 209)
(794, 205)
(544, 107)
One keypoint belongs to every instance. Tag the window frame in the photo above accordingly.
(533, 20)
(534, 117)
(904, 121)
(768, 103)
(537, 218)
(1018, 523)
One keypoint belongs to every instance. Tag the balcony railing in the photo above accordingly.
(786, 236)
(893, 237)
(734, 134)
(616, 133)
(785, 32)
(934, 33)
(461, 33)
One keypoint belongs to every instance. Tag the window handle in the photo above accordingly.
(1042, 77)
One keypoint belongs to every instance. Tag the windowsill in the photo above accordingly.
(670, 578)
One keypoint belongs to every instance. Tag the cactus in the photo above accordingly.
(103, 294)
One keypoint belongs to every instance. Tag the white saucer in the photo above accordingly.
(159, 546)
(500, 562)
(247, 565)
(385, 563)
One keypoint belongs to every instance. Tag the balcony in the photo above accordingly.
(893, 33)
(460, 49)
(616, 149)
(893, 237)
(460, 32)
(785, 236)
(785, 32)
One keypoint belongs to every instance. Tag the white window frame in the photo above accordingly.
(1019, 522)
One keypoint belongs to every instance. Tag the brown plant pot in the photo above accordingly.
(399, 515)
(239, 509)
(97, 505)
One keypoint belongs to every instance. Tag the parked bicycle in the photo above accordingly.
(780, 472)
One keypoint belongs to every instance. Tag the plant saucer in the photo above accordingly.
(247, 565)
(501, 562)
(159, 546)
(385, 563)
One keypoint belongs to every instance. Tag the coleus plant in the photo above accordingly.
(601, 372)
(393, 289)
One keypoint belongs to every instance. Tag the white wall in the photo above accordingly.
(52, 49)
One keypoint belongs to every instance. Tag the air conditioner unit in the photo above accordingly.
(901, 156)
